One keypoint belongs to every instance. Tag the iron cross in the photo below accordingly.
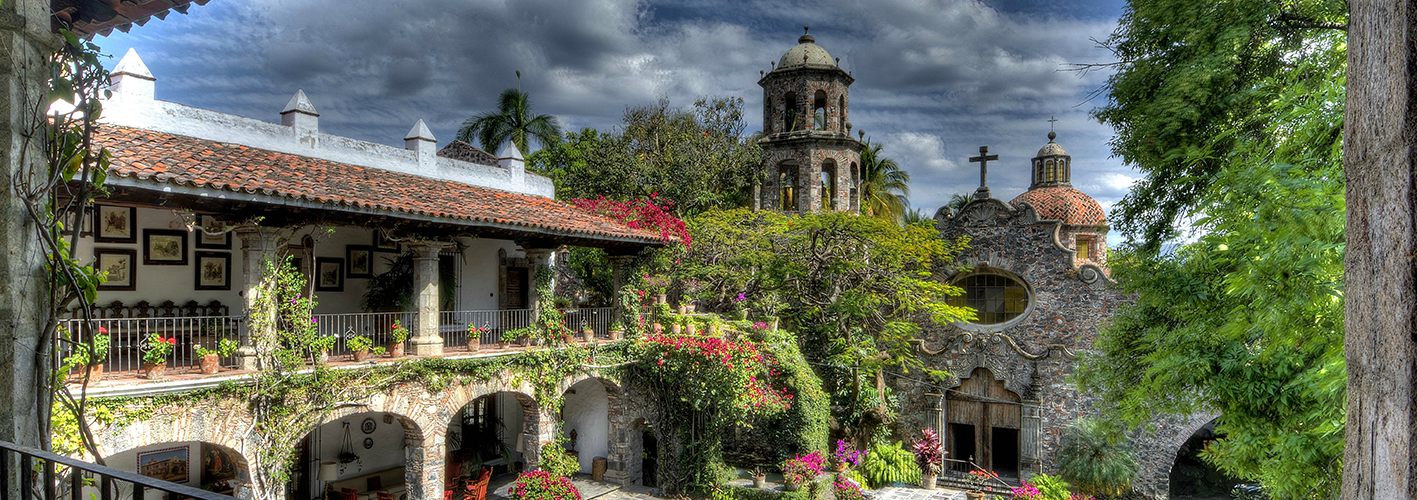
(983, 160)
(1052, 120)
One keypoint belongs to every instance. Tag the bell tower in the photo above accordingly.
(810, 161)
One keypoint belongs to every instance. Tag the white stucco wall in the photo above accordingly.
(388, 450)
(586, 410)
(128, 461)
(158, 283)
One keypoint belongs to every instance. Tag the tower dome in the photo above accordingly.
(806, 54)
(1051, 193)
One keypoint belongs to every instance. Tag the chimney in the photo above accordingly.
(131, 79)
(420, 140)
(510, 158)
(300, 115)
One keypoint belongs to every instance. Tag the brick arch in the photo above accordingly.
(1156, 451)
(220, 424)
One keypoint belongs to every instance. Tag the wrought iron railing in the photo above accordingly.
(38, 474)
(376, 326)
(454, 325)
(596, 318)
(127, 338)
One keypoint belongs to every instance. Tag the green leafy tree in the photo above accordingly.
(699, 158)
(1095, 460)
(513, 121)
(1190, 90)
(1248, 319)
(885, 187)
(854, 288)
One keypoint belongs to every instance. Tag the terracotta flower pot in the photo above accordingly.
(210, 364)
(502, 344)
(840, 467)
(760, 482)
(616, 334)
(361, 355)
(395, 349)
(474, 343)
(588, 334)
(155, 371)
(95, 373)
(974, 495)
(928, 480)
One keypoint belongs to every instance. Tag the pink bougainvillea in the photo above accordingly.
(724, 369)
(542, 485)
(802, 468)
(653, 213)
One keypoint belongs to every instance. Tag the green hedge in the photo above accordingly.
(822, 491)
(802, 429)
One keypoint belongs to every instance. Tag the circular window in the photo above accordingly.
(995, 298)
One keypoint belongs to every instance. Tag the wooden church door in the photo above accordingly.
(983, 419)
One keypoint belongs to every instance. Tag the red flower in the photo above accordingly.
(102, 330)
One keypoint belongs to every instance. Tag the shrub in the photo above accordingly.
(800, 469)
(927, 452)
(517, 334)
(89, 353)
(845, 454)
(543, 485)
(888, 463)
(224, 348)
(359, 343)
(555, 460)
(846, 489)
(1051, 487)
(1095, 461)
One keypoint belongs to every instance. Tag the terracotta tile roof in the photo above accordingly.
(164, 158)
(1063, 203)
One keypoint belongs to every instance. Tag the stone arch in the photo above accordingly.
(787, 184)
(199, 464)
(219, 423)
(819, 110)
(523, 436)
(415, 439)
(827, 181)
(1157, 450)
(983, 422)
(789, 111)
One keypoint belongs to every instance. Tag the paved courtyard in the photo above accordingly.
(607, 491)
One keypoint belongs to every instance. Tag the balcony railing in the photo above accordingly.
(47, 476)
(454, 325)
(376, 326)
(127, 337)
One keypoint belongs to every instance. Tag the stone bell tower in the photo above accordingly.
(810, 161)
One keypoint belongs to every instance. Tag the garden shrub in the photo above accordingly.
(803, 428)
(556, 460)
(1095, 460)
(1051, 487)
(543, 485)
(888, 463)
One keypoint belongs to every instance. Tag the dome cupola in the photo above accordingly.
(1052, 166)
(1051, 193)
(806, 54)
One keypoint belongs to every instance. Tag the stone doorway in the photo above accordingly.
(983, 418)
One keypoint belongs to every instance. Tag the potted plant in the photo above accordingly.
(320, 347)
(846, 489)
(361, 346)
(518, 335)
(928, 457)
(846, 456)
(979, 479)
(156, 348)
(760, 477)
(88, 357)
(542, 485)
(210, 359)
(801, 469)
(617, 330)
(474, 336)
(397, 336)
(588, 334)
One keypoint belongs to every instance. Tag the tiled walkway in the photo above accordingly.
(897, 493)
(606, 491)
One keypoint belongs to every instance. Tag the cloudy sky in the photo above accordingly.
(935, 79)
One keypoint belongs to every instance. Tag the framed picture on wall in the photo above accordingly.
(167, 464)
(164, 247)
(115, 224)
(82, 219)
(383, 244)
(361, 261)
(213, 271)
(121, 264)
(219, 468)
(211, 234)
(329, 274)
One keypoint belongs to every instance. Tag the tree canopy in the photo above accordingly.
(698, 158)
(885, 187)
(513, 121)
(1247, 319)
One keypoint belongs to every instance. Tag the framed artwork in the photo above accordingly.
(121, 264)
(212, 235)
(213, 271)
(84, 222)
(115, 224)
(368, 426)
(383, 244)
(164, 247)
(167, 464)
(329, 274)
(219, 468)
(361, 261)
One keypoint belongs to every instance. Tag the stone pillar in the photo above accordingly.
(618, 456)
(424, 466)
(258, 247)
(618, 265)
(427, 339)
(24, 42)
(537, 260)
(1030, 436)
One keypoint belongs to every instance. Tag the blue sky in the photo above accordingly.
(934, 79)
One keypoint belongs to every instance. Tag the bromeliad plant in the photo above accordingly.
(157, 348)
(927, 452)
(801, 469)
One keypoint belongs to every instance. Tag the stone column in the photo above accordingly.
(618, 265)
(258, 246)
(1030, 436)
(424, 466)
(24, 41)
(617, 457)
(537, 260)
(427, 339)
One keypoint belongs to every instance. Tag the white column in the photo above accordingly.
(258, 246)
(427, 339)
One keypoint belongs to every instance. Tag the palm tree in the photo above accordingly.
(513, 121)
(884, 186)
(958, 201)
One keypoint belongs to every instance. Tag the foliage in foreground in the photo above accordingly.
(889, 462)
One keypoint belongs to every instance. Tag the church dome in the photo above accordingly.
(1063, 203)
(806, 54)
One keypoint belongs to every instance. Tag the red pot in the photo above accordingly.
(210, 363)
(361, 355)
(396, 349)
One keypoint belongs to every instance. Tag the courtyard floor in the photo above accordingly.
(501, 485)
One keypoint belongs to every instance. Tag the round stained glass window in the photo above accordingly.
(995, 298)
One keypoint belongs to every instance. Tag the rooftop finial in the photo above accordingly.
(983, 160)
(1051, 134)
(806, 35)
